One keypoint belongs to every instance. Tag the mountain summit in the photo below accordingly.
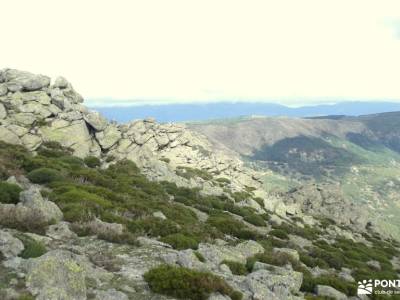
(91, 209)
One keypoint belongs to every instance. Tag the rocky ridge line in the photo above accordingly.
(34, 110)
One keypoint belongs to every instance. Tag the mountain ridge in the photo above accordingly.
(208, 111)
(91, 209)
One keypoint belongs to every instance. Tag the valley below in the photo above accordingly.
(359, 154)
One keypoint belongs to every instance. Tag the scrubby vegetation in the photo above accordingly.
(44, 175)
(121, 194)
(184, 283)
(32, 248)
(180, 241)
(236, 267)
(9, 193)
(92, 161)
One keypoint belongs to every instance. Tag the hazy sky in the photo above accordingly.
(293, 52)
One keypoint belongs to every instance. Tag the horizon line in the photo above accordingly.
(94, 102)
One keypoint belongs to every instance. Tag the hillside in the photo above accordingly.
(361, 154)
(91, 209)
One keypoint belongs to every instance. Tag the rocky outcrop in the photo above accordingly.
(329, 292)
(328, 201)
(9, 245)
(56, 275)
(31, 210)
(33, 110)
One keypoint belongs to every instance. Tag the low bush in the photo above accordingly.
(199, 256)
(153, 226)
(312, 262)
(32, 248)
(335, 258)
(92, 161)
(309, 283)
(228, 225)
(79, 205)
(9, 193)
(184, 283)
(279, 233)
(235, 267)
(256, 220)
(241, 196)
(44, 175)
(180, 242)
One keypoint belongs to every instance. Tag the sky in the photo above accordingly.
(290, 52)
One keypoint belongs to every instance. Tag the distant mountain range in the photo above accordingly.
(209, 111)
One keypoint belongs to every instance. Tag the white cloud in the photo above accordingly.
(177, 50)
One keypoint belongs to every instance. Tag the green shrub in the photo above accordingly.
(92, 161)
(152, 226)
(44, 175)
(54, 150)
(79, 205)
(124, 238)
(313, 262)
(279, 233)
(184, 283)
(32, 248)
(272, 242)
(180, 242)
(199, 256)
(235, 267)
(240, 196)
(26, 296)
(255, 220)
(333, 257)
(9, 193)
(309, 283)
(228, 225)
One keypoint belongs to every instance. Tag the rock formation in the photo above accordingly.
(34, 110)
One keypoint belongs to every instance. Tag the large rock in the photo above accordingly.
(329, 292)
(75, 135)
(110, 294)
(61, 83)
(265, 284)
(31, 141)
(99, 227)
(9, 245)
(327, 200)
(218, 253)
(96, 120)
(60, 231)
(3, 112)
(9, 136)
(56, 275)
(109, 137)
(19, 80)
(3, 89)
(33, 199)
(293, 254)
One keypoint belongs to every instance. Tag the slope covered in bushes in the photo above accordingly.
(85, 191)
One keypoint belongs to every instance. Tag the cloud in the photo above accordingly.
(186, 50)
